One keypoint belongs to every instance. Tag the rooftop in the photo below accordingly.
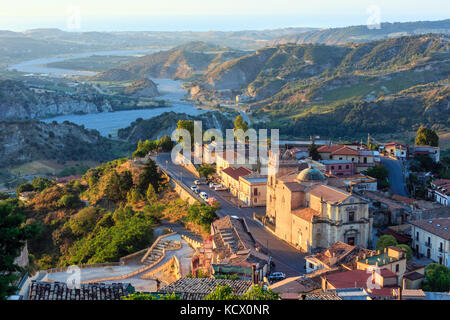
(329, 194)
(438, 227)
(237, 173)
(94, 291)
(198, 289)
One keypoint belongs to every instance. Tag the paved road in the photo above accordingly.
(396, 178)
(287, 259)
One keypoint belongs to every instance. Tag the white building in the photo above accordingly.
(431, 239)
(440, 191)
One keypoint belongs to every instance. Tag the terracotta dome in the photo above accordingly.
(311, 175)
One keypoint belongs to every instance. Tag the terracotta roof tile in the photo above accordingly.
(307, 214)
(329, 194)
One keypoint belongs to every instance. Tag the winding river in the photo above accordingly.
(109, 123)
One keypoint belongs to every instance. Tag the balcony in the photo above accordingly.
(428, 245)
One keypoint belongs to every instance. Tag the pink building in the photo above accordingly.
(339, 168)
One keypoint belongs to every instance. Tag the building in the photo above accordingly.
(380, 284)
(361, 159)
(253, 190)
(94, 291)
(439, 191)
(198, 289)
(307, 213)
(397, 150)
(431, 239)
(231, 178)
(433, 152)
(231, 250)
(338, 255)
(392, 259)
(340, 168)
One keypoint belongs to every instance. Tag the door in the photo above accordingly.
(351, 241)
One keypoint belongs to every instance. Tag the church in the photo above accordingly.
(303, 210)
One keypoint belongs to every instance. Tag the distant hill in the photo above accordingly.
(183, 62)
(363, 33)
(286, 83)
(166, 123)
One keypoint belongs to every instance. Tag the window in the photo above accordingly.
(417, 236)
(255, 191)
(347, 167)
(351, 216)
(332, 167)
(340, 167)
(397, 268)
(256, 200)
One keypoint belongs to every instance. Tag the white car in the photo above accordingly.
(200, 182)
(277, 276)
(204, 196)
(220, 188)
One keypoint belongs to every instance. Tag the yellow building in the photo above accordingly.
(307, 213)
(253, 190)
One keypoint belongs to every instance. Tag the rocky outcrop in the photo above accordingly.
(144, 88)
(25, 141)
(18, 102)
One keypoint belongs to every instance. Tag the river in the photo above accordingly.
(109, 123)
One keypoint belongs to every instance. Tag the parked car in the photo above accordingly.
(195, 189)
(200, 182)
(213, 185)
(277, 276)
(204, 196)
(220, 188)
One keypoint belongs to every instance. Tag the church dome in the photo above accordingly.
(311, 175)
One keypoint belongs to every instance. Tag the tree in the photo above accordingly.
(152, 197)
(26, 187)
(259, 293)
(166, 144)
(255, 293)
(407, 249)
(69, 201)
(146, 297)
(437, 278)
(240, 124)
(222, 293)
(206, 171)
(150, 175)
(189, 126)
(427, 137)
(380, 173)
(13, 236)
(385, 242)
(314, 152)
(41, 184)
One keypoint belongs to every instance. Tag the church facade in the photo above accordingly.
(307, 213)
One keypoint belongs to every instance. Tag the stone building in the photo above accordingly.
(307, 213)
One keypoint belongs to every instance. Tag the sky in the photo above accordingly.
(206, 15)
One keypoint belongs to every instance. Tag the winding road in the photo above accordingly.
(287, 259)
(396, 178)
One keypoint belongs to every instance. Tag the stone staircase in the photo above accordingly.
(157, 251)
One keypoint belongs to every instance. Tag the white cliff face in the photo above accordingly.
(45, 108)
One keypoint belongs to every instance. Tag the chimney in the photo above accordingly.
(255, 278)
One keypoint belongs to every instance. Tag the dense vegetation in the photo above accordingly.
(13, 237)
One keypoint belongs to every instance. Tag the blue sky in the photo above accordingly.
(205, 15)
